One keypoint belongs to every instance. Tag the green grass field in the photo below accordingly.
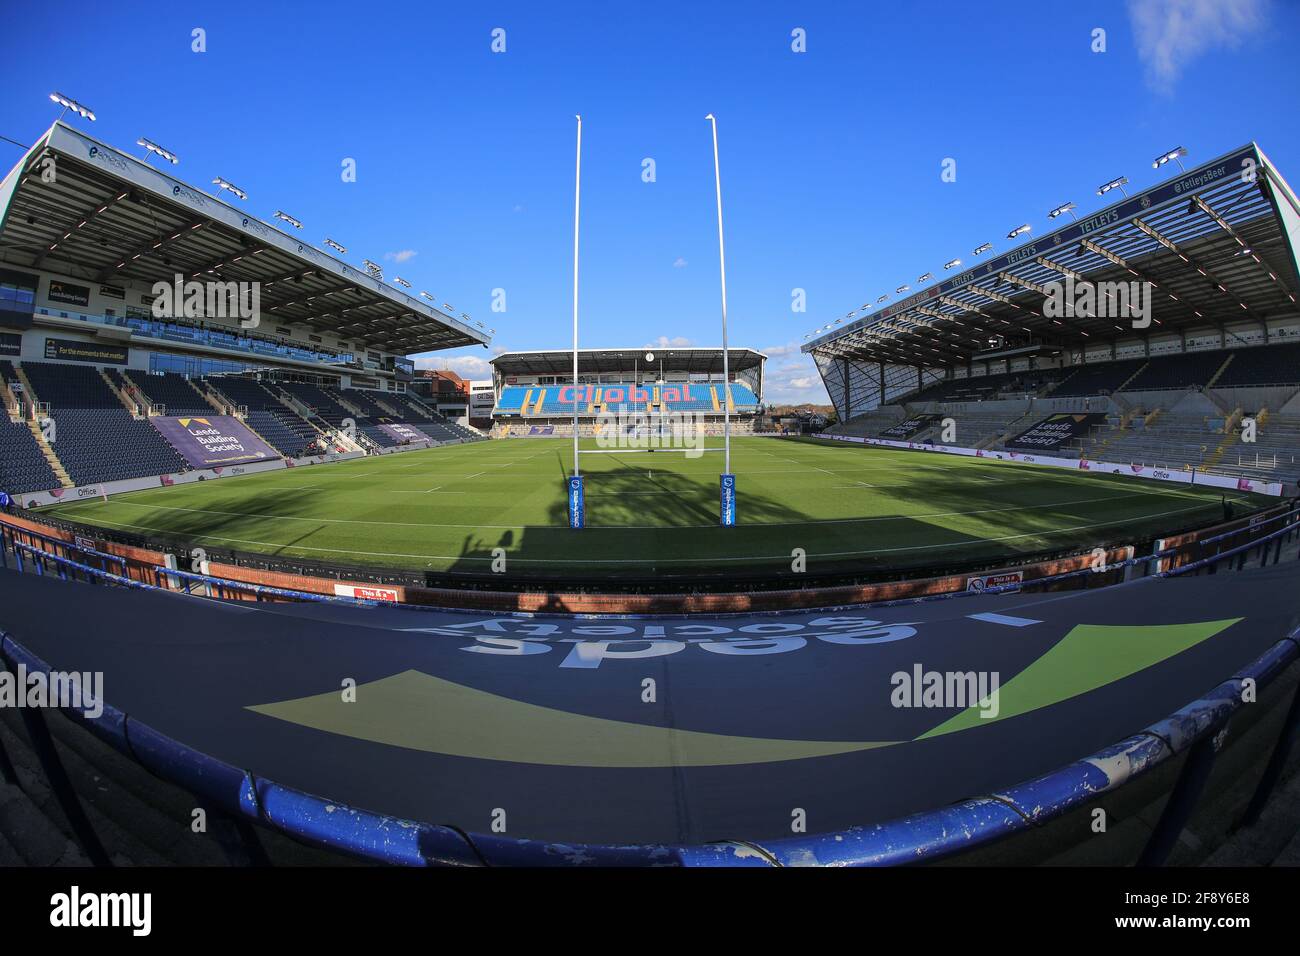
(654, 513)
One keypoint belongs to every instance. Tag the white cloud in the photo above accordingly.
(791, 377)
(664, 342)
(679, 263)
(399, 257)
(466, 366)
(1172, 33)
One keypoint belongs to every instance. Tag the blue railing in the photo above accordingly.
(923, 837)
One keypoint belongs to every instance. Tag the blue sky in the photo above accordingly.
(831, 158)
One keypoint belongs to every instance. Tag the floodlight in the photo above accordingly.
(1113, 184)
(334, 245)
(1172, 155)
(222, 184)
(1018, 231)
(153, 147)
(882, 299)
(402, 282)
(288, 218)
(70, 104)
(983, 249)
(1063, 208)
(925, 278)
(952, 264)
(901, 289)
(429, 297)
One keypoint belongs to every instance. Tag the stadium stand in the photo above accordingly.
(1101, 378)
(1141, 427)
(287, 432)
(1273, 365)
(1276, 450)
(984, 387)
(743, 398)
(1190, 370)
(97, 439)
(1221, 368)
(176, 331)
(8, 376)
(1157, 439)
(363, 402)
(378, 436)
(977, 428)
(441, 429)
(172, 391)
(324, 405)
(22, 463)
(871, 424)
(698, 397)
(410, 406)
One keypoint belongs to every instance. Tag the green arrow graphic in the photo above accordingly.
(421, 712)
(1090, 656)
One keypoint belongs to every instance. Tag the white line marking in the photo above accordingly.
(620, 494)
(1006, 619)
(655, 527)
(280, 547)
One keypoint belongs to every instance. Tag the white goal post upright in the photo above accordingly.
(726, 481)
(575, 489)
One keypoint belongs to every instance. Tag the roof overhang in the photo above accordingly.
(1217, 243)
(106, 216)
(598, 361)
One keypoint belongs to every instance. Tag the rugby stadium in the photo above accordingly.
(1042, 566)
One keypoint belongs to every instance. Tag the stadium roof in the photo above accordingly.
(596, 361)
(1218, 243)
(107, 216)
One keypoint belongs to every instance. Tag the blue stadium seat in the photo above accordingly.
(22, 464)
(96, 438)
(170, 390)
(288, 433)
